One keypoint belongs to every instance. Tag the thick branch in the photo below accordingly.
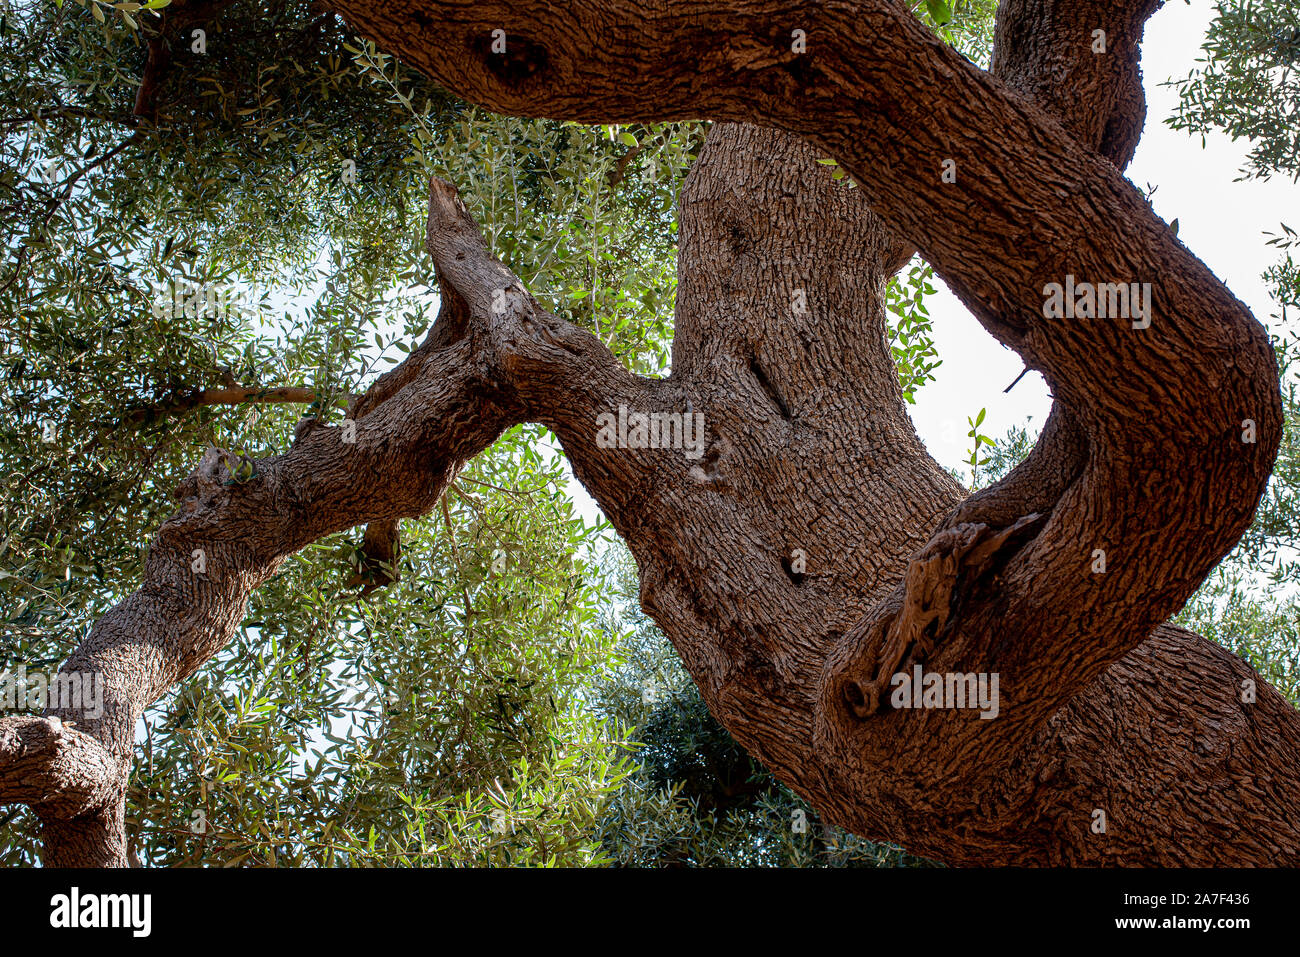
(231, 395)
(801, 407)
(483, 367)
(227, 538)
(891, 104)
(55, 768)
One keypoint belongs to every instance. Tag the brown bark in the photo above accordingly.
(779, 342)
(177, 19)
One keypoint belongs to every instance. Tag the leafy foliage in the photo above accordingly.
(909, 328)
(481, 709)
(966, 25)
(1248, 85)
(442, 720)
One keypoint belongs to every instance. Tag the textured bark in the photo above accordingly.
(815, 549)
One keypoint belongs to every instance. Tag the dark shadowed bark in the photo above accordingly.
(815, 550)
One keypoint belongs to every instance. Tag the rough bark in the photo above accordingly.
(815, 549)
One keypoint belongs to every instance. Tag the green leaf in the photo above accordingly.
(939, 11)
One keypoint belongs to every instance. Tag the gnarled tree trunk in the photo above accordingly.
(815, 550)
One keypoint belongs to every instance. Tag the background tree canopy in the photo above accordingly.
(501, 699)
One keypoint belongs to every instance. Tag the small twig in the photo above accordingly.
(60, 109)
(508, 491)
(77, 174)
(619, 172)
(455, 554)
(231, 395)
(1023, 373)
